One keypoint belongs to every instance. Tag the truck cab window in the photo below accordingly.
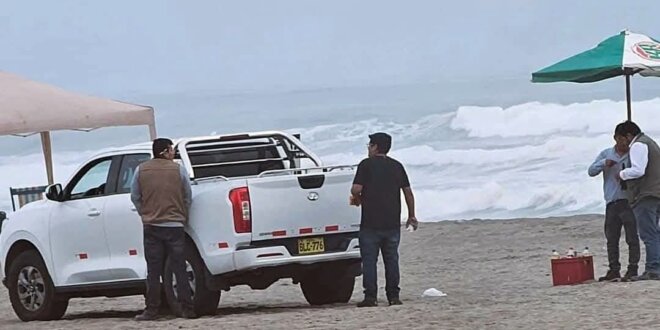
(127, 170)
(92, 182)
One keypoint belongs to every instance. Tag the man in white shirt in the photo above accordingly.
(643, 181)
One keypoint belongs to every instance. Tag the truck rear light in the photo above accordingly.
(279, 233)
(332, 228)
(240, 202)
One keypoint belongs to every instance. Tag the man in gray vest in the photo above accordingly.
(643, 181)
(162, 196)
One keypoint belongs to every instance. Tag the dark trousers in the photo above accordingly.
(161, 243)
(618, 214)
(373, 241)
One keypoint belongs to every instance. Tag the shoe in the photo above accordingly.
(629, 275)
(189, 314)
(395, 301)
(611, 276)
(368, 302)
(147, 315)
(647, 276)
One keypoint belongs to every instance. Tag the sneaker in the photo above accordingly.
(631, 273)
(395, 301)
(147, 315)
(611, 276)
(368, 302)
(647, 276)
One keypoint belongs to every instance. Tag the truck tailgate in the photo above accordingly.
(288, 206)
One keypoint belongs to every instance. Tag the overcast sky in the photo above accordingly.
(120, 47)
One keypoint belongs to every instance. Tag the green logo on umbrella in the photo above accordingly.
(647, 50)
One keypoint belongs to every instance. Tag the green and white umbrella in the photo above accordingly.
(624, 54)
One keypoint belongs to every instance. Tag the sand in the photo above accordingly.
(496, 274)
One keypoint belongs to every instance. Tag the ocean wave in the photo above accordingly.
(527, 160)
(536, 118)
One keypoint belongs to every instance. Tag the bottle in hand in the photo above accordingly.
(624, 185)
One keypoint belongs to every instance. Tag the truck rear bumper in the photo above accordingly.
(271, 256)
(265, 275)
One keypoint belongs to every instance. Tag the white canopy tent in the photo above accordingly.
(30, 107)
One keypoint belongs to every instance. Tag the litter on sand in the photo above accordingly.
(433, 292)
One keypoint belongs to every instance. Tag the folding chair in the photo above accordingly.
(26, 195)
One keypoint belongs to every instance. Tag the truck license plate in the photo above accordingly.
(310, 245)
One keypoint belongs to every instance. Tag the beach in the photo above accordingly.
(496, 274)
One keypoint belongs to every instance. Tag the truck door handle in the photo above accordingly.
(93, 213)
(133, 209)
(311, 181)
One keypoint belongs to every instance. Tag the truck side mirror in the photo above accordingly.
(3, 217)
(54, 192)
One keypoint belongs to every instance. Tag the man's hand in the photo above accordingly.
(356, 192)
(354, 200)
(412, 221)
(610, 163)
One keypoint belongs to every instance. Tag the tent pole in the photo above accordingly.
(628, 97)
(48, 157)
(152, 131)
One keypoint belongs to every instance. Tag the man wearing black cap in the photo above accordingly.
(162, 195)
(377, 188)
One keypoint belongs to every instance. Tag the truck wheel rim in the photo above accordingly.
(191, 280)
(31, 288)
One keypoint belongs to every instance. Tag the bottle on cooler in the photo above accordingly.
(555, 255)
(570, 253)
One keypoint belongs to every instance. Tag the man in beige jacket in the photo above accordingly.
(161, 194)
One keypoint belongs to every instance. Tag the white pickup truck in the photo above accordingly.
(264, 208)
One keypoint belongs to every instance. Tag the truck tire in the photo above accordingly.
(320, 288)
(31, 290)
(205, 301)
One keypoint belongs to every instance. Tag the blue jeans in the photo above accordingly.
(647, 212)
(373, 241)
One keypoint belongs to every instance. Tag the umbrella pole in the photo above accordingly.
(48, 157)
(628, 97)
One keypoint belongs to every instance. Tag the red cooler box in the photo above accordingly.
(572, 270)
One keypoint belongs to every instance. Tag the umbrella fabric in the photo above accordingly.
(627, 53)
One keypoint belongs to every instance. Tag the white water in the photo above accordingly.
(527, 160)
